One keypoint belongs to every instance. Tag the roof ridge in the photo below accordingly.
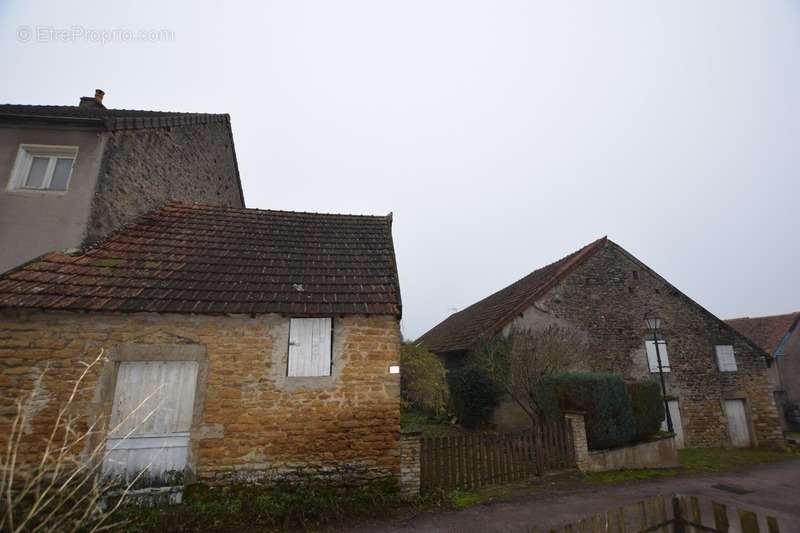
(111, 118)
(108, 110)
(179, 203)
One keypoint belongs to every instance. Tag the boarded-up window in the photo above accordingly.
(738, 428)
(726, 359)
(151, 419)
(309, 347)
(652, 357)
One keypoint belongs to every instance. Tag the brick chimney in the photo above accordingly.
(95, 102)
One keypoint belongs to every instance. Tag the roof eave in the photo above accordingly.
(94, 123)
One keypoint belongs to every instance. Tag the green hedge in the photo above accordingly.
(473, 395)
(605, 401)
(648, 407)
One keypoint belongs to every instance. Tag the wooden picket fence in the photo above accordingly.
(481, 459)
(677, 514)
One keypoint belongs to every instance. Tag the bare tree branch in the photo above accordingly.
(521, 362)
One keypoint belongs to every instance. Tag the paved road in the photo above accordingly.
(772, 489)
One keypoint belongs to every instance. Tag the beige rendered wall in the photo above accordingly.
(36, 222)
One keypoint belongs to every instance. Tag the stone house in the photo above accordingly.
(779, 336)
(717, 383)
(71, 174)
(239, 344)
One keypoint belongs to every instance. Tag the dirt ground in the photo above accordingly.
(772, 489)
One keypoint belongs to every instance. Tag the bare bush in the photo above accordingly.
(62, 488)
(521, 363)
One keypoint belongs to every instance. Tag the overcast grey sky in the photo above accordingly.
(503, 135)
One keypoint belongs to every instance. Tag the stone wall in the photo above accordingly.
(144, 168)
(608, 297)
(255, 423)
(410, 469)
(577, 425)
(658, 453)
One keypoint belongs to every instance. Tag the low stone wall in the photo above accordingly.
(660, 453)
(410, 446)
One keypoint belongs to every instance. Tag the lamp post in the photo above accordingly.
(654, 325)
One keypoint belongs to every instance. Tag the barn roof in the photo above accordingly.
(461, 330)
(188, 258)
(766, 331)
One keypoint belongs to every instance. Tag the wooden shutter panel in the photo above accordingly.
(309, 347)
(652, 357)
(726, 359)
(151, 418)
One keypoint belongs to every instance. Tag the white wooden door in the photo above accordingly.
(677, 423)
(151, 419)
(738, 430)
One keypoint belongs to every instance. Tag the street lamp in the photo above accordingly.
(654, 325)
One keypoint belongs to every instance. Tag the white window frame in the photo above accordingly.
(652, 360)
(726, 358)
(22, 166)
(310, 347)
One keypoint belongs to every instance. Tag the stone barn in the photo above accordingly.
(718, 389)
(238, 344)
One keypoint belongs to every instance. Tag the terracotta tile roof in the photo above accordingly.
(111, 119)
(766, 331)
(488, 316)
(187, 258)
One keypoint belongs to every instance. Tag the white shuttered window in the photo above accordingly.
(309, 347)
(726, 359)
(652, 359)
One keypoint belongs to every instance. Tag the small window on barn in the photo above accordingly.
(726, 359)
(635, 274)
(652, 357)
(309, 347)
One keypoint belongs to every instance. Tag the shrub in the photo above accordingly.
(422, 381)
(605, 400)
(309, 505)
(53, 488)
(473, 394)
(648, 407)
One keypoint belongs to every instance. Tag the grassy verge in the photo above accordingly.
(413, 420)
(256, 508)
(697, 461)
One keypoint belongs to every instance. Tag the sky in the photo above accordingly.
(501, 135)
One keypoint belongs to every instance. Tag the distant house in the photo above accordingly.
(69, 175)
(266, 343)
(717, 383)
(779, 336)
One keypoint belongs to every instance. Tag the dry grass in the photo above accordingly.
(62, 488)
